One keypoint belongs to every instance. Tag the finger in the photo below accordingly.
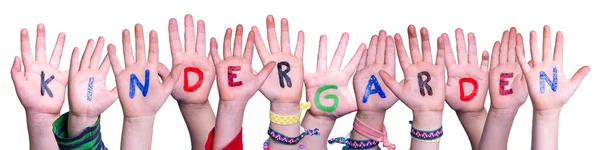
(512, 44)
(338, 56)
(237, 41)
(485, 59)
(140, 47)
(74, 65)
(105, 65)
(322, 54)
(58, 49)
(520, 54)
(87, 54)
(363, 59)
(533, 47)
(163, 71)
(425, 46)
(381, 45)
(114, 61)
(413, 45)
(174, 41)
(264, 73)
(263, 53)
(449, 55)
(213, 51)
(579, 75)
(272, 35)
(40, 44)
(189, 33)
(495, 55)
(355, 60)
(461, 47)
(25, 48)
(95, 58)
(169, 83)
(153, 49)
(372, 51)
(16, 73)
(390, 52)
(285, 36)
(127, 50)
(547, 44)
(472, 49)
(439, 60)
(227, 44)
(248, 51)
(401, 52)
(558, 49)
(201, 38)
(504, 47)
(390, 82)
(300, 46)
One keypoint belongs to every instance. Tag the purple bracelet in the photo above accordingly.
(426, 135)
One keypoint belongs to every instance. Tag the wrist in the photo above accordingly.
(550, 114)
(285, 109)
(142, 120)
(193, 106)
(427, 120)
(40, 120)
(373, 119)
(503, 112)
(472, 114)
(77, 124)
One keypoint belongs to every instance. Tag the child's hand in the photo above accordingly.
(507, 84)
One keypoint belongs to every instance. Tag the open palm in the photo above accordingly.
(141, 93)
(466, 97)
(88, 95)
(555, 90)
(379, 57)
(199, 72)
(53, 81)
(284, 84)
(235, 78)
(508, 89)
(327, 89)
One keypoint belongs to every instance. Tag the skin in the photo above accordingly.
(284, 101)
(194, 106)
(427, 110)
(547, 106)
(316, 118)
(472, 114)
(378, 57)
(503, 108)
(84, 113)
(139, 112)
(41, 111)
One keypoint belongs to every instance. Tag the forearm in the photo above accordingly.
(137, 133)
(497, 128)
(200, 119)
(77, 123)
(473, 123)
(372, 119)
(229, 120)
(426, 121)
(292, 130)
(545, 130)
(39, 127)
(324, 124)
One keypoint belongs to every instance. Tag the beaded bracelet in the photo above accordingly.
(426, 135)
(280, 138)
(288, 120)
(354, 144)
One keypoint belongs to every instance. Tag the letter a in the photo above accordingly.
(423, 83)
(372, 88)
(553, 83)
(504, 83)
(462, 90)
(186, 84)
(134, 81)
(283, 74)
(44, 84)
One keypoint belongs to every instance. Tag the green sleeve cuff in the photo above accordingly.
(90, 138)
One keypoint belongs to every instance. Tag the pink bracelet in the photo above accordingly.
(371, 133)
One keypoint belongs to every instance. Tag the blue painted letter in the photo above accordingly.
(90, 89)
(373, 83)
(553, 83)
(134, 81)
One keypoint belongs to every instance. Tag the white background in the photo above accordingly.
(84, 19)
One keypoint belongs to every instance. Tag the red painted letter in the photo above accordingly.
(504, 83)
(186, 85)
(231, 76)
(462, 90)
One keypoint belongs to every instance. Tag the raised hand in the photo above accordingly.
(327, 89)
(507, 84)
(548, 86)
(467, 83)
(199, 72)
(284, 85)
(235, 79)
(41, 86)
(372, 95)
(141, 93)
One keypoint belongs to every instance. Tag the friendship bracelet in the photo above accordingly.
(426, 135)
(280, 138)
(288, 120)
(354, 144)
(371, 133)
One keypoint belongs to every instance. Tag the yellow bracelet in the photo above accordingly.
(288, 120)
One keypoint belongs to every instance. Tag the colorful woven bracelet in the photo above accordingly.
(426, 135)
(288, 120)
(280, 138)
(354, 144)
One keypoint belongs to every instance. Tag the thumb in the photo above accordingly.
(163, 71)
(390, 83)
(169, 81)
(114, 94)
(579, 75)
(264, 73)
(16, 73)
